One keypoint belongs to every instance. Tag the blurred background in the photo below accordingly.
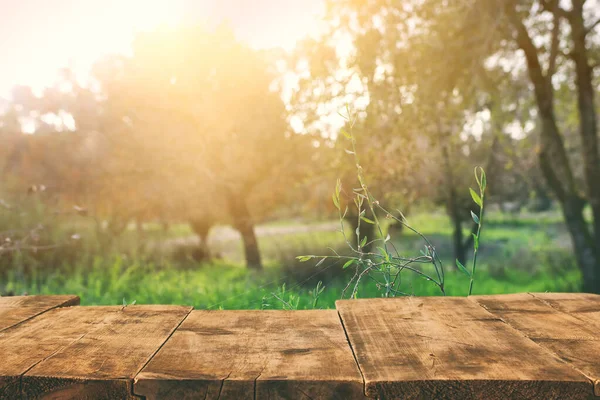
(185, 151)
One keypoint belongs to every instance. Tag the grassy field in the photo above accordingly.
(525, 253)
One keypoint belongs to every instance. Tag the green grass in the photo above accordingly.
(221, 285)
(517, 255)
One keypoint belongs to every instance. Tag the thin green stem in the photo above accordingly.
(476, 247)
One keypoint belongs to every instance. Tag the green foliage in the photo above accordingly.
(388, 262)
(230, 286)
(521, 254)
(385, 267)
(316, 293)
(478, 219)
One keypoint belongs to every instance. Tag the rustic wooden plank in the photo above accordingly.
(573, 338)
(254, 354)
(16, 309)
(535, 318)
(83, 352)
(450, 348)
(24, 345)
(585, 306)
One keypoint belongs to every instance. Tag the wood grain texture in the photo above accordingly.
(572, 334)
(254, 354)
(25, 345)
(584, 306)
(83, 352)
(535, 318)
(16, 309)
(450, 348)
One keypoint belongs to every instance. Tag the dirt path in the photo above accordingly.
(220, 234)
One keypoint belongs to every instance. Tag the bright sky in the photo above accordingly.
(37, 37)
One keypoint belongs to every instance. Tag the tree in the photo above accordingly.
(553, 158)
(414, 142)
(559, 42)
(203, 121)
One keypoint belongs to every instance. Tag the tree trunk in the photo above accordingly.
(553, 159)
(588, 125)
(582, 244)
(460, 250)
(242, 222)
(201, 228)
(452, 205)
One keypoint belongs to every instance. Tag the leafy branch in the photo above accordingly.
(478, 219)
(385, 266)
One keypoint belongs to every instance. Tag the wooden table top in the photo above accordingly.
(519, 346)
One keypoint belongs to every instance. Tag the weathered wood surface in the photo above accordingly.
(254, 354)
(451, 348)
(567, 325)
(525, 346)
(584, 306)
(83, 352)
(16, 309)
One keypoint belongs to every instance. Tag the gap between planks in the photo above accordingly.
(39, 304)
(543, 301)
(254, 354)
(402, 379)
(132, 381)
(101, 323)
(353, 353)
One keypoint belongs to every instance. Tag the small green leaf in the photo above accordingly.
(483, 180)
(475, 217)
(336, 201)
(360, 179)
(367, 220)
(348, 263)
(475, 197)
(462, 268)
(384, 253)
(345, 133)
(338, 188)
(475, 241)
(304, 258)
(363, 241)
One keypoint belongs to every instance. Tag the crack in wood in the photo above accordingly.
(353, 354)
(221, 387)
(594, 382)
(71, 301)
(153, 354)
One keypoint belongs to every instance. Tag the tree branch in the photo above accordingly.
(526, 44)
(555, 42)
(553, 7)
(592, 26)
